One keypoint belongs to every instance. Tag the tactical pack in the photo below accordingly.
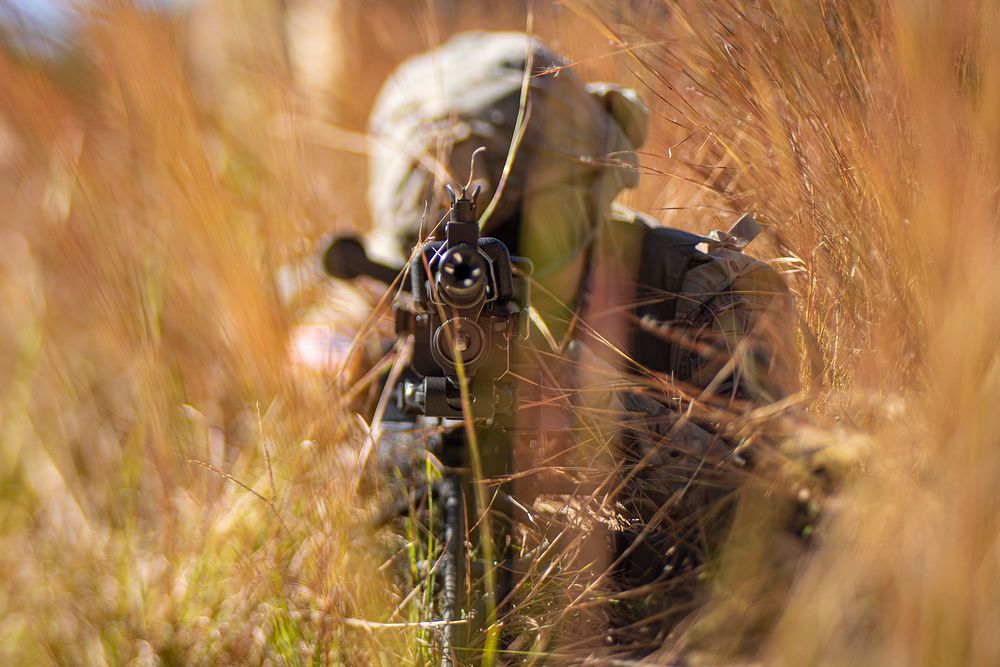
(700, 300)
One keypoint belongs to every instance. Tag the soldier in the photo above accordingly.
(573, 156)
(675, 336)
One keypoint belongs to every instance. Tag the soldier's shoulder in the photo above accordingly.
(652, 230)
(624, 215)
(695, 263)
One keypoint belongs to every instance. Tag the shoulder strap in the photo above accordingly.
(740, 235)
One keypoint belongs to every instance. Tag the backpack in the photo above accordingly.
(701, 300)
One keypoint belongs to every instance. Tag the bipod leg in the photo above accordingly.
(453, 598)
(452, 501)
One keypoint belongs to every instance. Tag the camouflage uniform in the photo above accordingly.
(653, 322)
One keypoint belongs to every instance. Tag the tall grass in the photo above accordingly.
(864, 134)
(173, 487)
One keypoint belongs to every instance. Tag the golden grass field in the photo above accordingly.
(173, 490)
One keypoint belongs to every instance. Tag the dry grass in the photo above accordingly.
(173, 488)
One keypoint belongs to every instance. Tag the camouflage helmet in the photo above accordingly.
(437, 108)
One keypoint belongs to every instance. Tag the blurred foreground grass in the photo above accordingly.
(173, 488)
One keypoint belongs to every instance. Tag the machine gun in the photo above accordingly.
(464, 303)
(466, 311)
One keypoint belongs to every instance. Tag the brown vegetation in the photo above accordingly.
(173, 488)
